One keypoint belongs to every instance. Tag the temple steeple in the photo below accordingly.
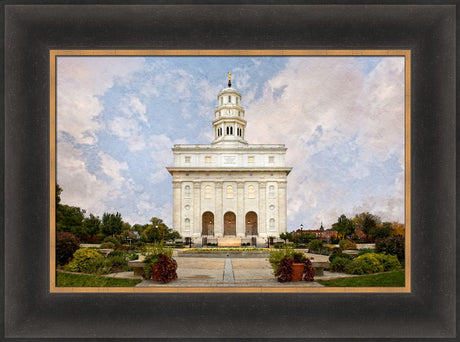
(229, 124)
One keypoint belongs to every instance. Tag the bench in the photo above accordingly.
(319, 266)
(138, 266)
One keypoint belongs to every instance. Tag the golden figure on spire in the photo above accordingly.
(229, 78)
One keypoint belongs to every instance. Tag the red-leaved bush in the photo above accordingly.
(284, 272)
(309, 273)
(164, 270)
(66, 245)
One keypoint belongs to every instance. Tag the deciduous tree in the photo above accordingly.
(344, 226)
(112, 224)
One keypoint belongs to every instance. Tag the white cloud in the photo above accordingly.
(361, 116)
(113, 168)
(80, 187)
(80, 81)
(132, 105)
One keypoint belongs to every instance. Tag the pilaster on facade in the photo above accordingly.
(240, 215)
(219, 215)
(196, 231)
(282, 224)
(262, 209)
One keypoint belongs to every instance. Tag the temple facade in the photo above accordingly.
(229, 188)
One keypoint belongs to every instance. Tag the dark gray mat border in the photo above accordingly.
(32, 313)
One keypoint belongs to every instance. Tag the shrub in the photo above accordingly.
(389, 262)
(66, 245)
(364, 264)
(112, 239)
(336, 250)
(332, 257)
(130, 255)
(347, 244)
(308, 270)
(107, 245)
(98, 266)
(82, 259)
(165, 269)
(284, 271)
(365, 251)
(153, 254)
(339, 264)
(393, 245)
(287, 251)
(315, 245)
(117, 262)
(157, 248)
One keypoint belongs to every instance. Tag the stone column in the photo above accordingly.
(218, 215)
(177, 207)
(196, 228)
(282, 213)
(240, 226)
(262, 219)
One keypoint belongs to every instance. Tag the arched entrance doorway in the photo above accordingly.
(251, 223)
(229, 224)
(207, 223)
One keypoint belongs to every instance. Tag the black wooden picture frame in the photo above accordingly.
(32, 29)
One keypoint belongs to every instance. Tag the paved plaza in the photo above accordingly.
(227, 272)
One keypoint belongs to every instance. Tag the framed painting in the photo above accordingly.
(36, 36)
(113, 139)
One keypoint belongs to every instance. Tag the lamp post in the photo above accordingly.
(301, 233)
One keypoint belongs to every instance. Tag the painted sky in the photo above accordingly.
(341, 118)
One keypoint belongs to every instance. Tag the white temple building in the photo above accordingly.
(229, 188)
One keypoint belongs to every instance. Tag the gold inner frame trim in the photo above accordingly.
(307, 53)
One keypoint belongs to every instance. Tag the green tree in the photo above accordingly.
(112, 224)
(286, 236)
(303, 237)
(381, 231)
(139, 228)
(173, 234)
(157, 230)
(91, 225)
(69, 219)
(344, 226)
(58, 194)
(315, 245)
(367, 222)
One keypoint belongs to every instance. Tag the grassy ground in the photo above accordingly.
(77, 280)
(388, 279)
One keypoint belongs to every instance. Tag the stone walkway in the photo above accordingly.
(226, 272)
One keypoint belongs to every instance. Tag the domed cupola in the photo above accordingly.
(229, 124)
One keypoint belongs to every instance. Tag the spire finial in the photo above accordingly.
(229, 79)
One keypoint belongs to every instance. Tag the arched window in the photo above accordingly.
(187, 191)
(229, 99)
(187, 225)
(231, 130)
(221, 101)
(251, 191)
(229, 191)
(228, 130)
(271, 191)
(271, 225)
(207, 191)
(237, 100)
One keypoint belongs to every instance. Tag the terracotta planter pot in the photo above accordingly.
(297, 272)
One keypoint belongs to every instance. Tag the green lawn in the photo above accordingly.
(77, 280)
(388, 279)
